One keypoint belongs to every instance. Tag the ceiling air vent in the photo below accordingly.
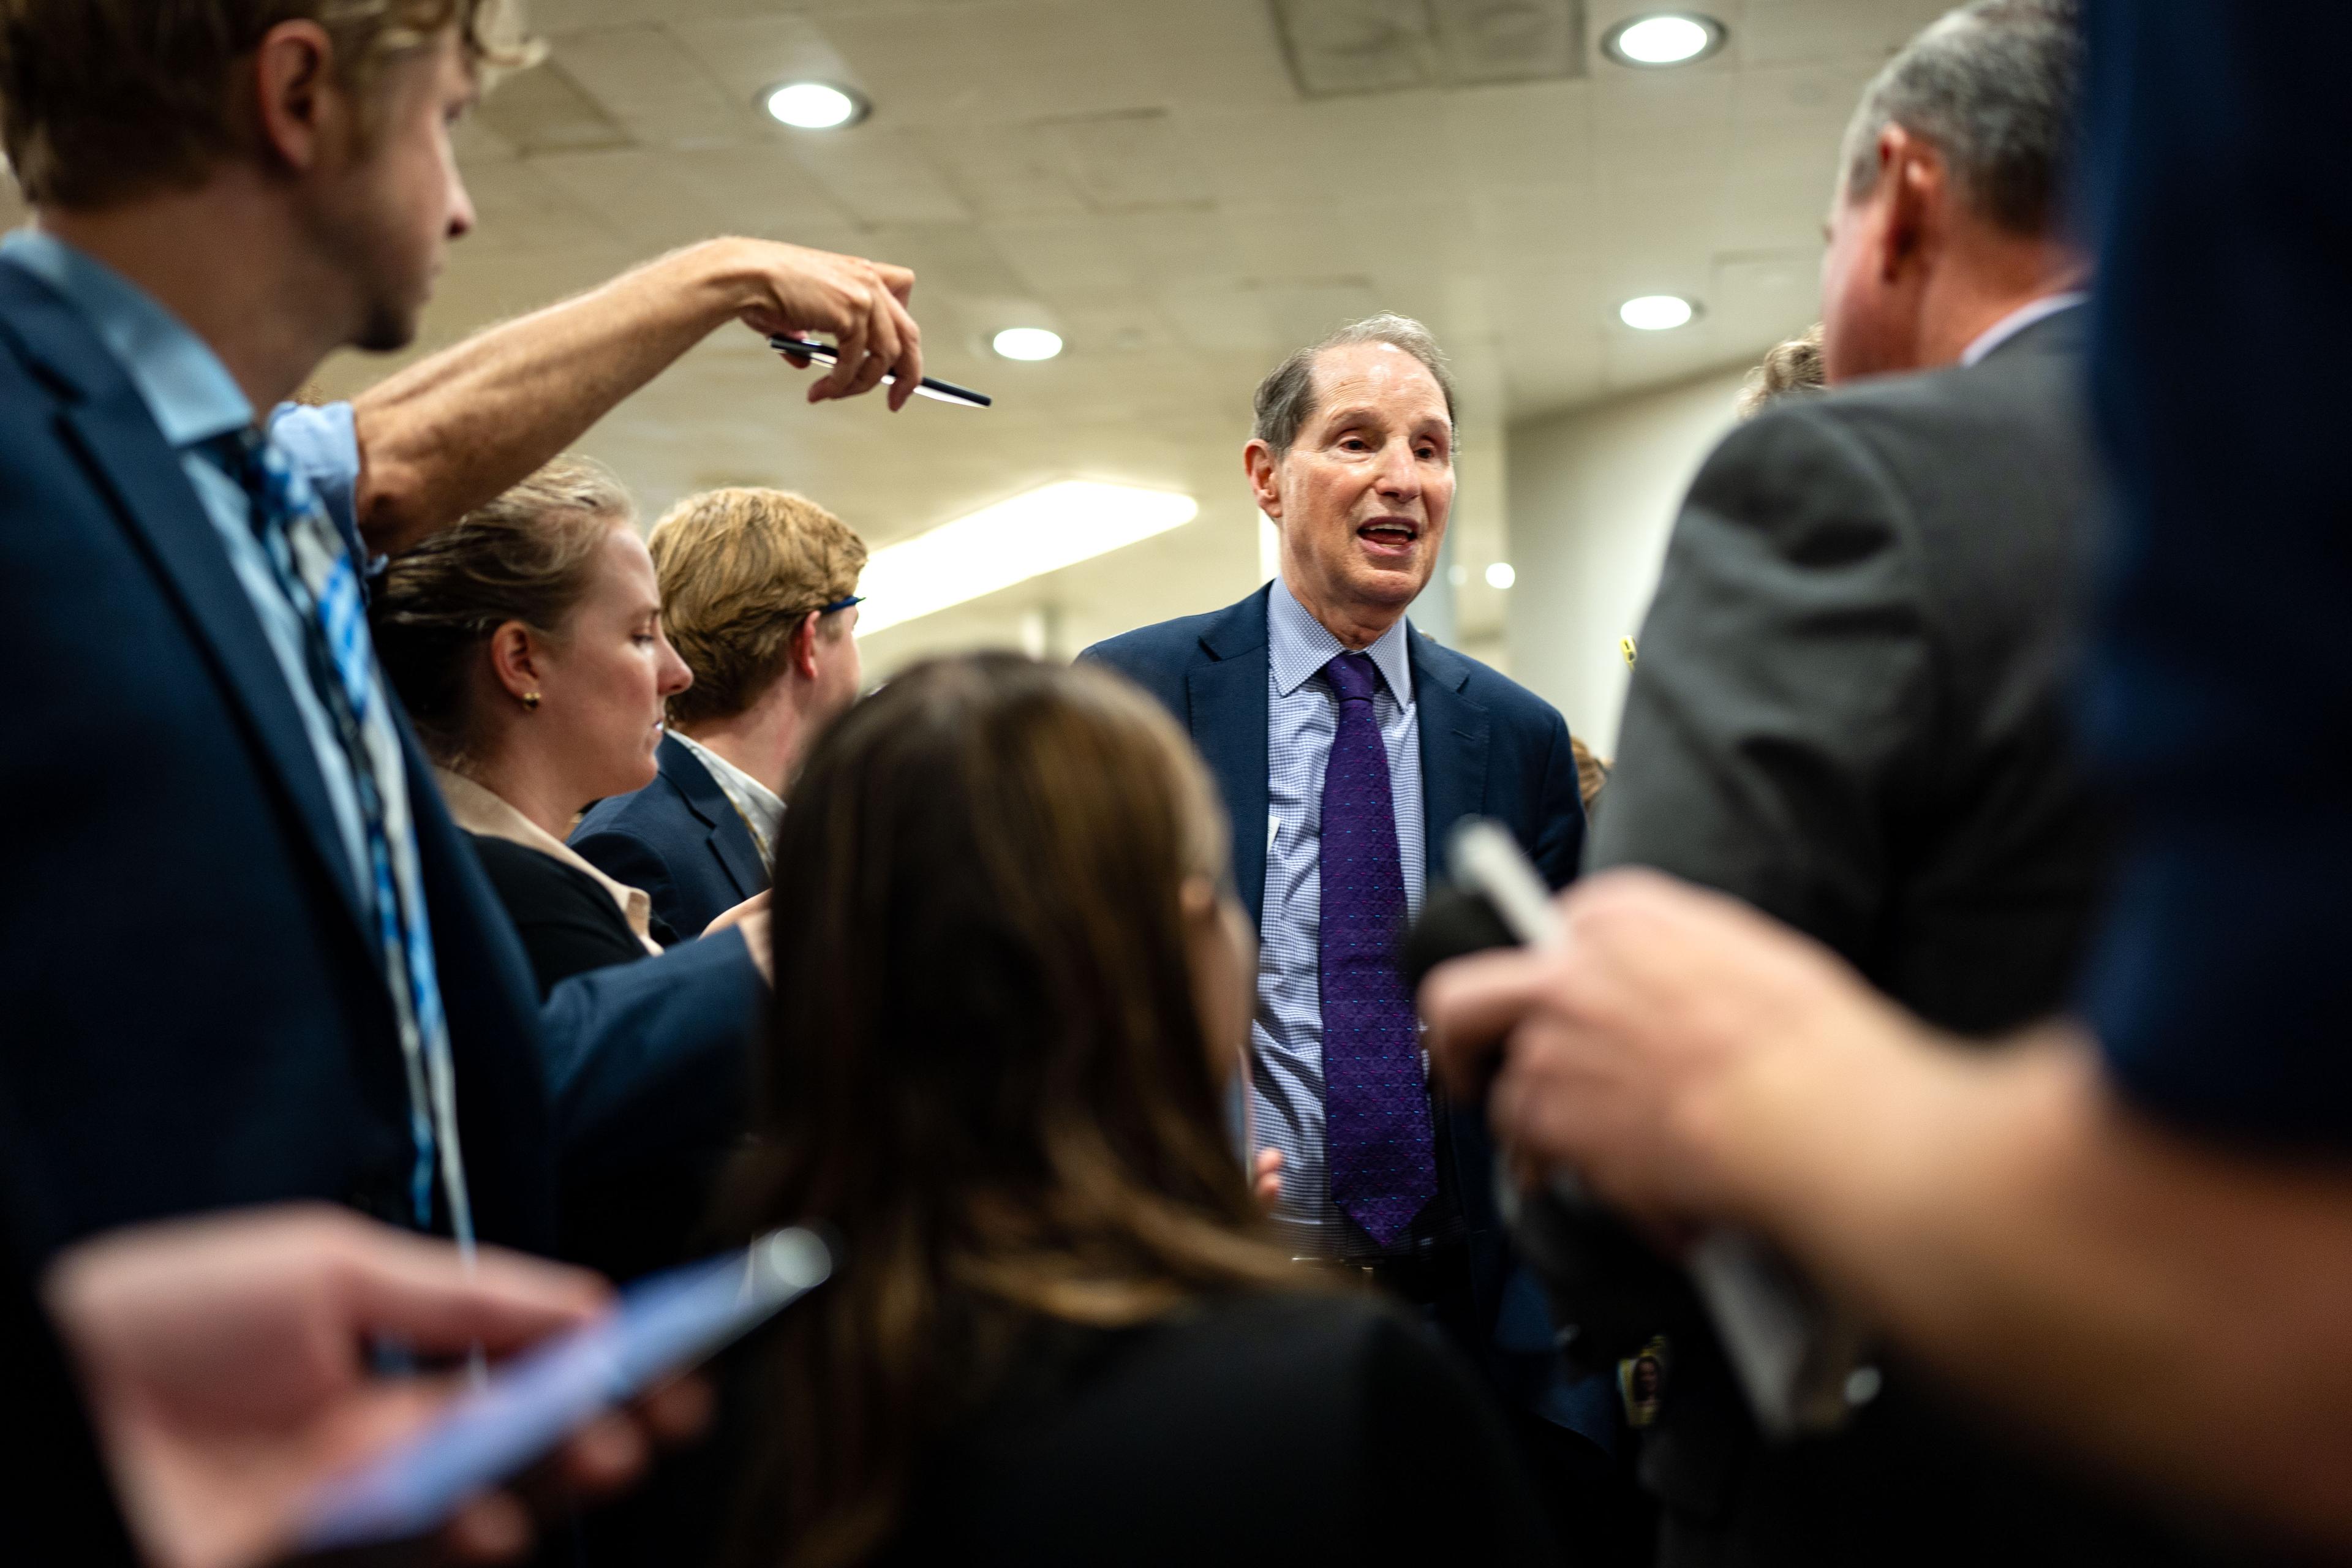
(1338, 47)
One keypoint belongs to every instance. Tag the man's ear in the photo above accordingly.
(1912, 185)
(804, 645)
(301, 111)
(1258, 462)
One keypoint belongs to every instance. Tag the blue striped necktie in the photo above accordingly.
(314, 570)
(1375, 1101)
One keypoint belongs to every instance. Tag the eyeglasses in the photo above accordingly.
(853, 600)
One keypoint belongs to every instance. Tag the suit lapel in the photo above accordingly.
(1454, 733)
(1228, 715)
(730, 838)
(120, 442)
(739, 854)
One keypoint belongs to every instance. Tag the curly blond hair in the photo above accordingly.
(1795, 367)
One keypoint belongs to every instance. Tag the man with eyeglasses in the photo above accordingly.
(758, 592)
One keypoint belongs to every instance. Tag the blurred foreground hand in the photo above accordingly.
(225, 1362)
(1614, 1051)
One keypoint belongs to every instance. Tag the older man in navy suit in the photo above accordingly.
(1346, 746)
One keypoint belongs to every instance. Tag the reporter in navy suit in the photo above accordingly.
(1345, 746)
(759, 594)
(247, 957)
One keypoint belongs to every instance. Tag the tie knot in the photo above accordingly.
(1353, 676)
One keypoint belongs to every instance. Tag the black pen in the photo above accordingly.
(825, 353)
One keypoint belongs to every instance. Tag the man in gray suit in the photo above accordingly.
(1851, 711)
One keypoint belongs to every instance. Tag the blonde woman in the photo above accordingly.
(527, 644)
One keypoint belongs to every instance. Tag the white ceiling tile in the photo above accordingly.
(767, 193)
(1213, 55)
(645, 79)
(1008, 171)
(1282, 242)
(520, 211)
(1172, 249)
(1367, 149)
(1777, 31)
(641, 195)
(1131, 160)
(1535, 134)
(946, 64)
(881, 176)
(747, 54)
(1067, 256)
(1771, 294)
(545, 110)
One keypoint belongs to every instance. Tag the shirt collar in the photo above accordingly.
(2016, 320)
(481, 811)
(753, 795)
(189, 391)
(1297, 646)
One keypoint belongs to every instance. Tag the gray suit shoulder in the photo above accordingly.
(2025, 404)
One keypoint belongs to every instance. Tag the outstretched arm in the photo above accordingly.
(451, 431)
(2173, 1308)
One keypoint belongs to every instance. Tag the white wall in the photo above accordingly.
(1593, 494)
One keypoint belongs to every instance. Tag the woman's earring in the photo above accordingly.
(531, 700)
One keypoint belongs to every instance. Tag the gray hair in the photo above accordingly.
(1995, 87)
(1286, 398)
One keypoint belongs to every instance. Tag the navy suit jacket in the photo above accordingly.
(194, 1014)
(679, 838)
(2219, 696)
(1489, 748)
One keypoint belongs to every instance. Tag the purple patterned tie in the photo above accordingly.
(1375, 1105)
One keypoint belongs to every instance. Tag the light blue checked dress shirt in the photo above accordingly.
(1302, 718)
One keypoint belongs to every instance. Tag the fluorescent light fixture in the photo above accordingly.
(1657, 313)
(1028, 342)
(814, 105)
(1500, 576)
(1011, 542)
(1669, 39)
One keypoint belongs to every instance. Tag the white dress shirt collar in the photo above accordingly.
(2016, 320)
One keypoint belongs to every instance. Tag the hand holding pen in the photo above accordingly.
(788, 290)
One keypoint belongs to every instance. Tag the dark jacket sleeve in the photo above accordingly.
(1783, 686)
(568, 925)
(633, 862)
(649, 1059)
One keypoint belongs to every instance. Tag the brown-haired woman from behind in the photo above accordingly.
(1009, 991)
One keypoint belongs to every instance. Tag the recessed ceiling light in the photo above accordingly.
(1028, 342)
(814, 105)
(1657, 313)
(1500, 576)
(1669, 39)
(1011, 542)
